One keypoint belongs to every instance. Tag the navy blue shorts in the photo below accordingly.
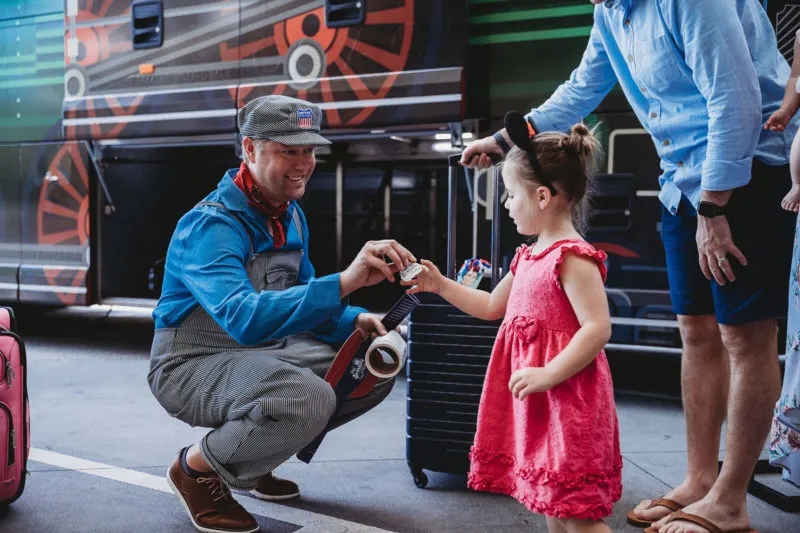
(760, 229)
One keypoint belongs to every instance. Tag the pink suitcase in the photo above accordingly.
(15, 441)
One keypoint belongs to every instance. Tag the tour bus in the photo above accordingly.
(117, 116)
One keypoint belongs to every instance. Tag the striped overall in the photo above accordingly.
(264, 402)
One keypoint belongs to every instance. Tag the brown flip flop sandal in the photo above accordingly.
(672, 505)
(700, 521)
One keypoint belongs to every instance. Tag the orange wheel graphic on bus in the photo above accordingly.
(63, 213)
(104, 34)
(96, 42)
(357, 63)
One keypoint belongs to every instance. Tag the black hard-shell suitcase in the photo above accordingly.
(448, 352)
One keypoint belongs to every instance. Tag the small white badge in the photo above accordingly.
(411, 272)
(358, 369)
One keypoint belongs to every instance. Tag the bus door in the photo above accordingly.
(56, 223)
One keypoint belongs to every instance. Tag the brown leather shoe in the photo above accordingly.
(273, 488)
(209, 503)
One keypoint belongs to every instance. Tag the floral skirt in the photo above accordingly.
(784, 440)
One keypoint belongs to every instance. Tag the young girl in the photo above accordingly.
(547, 425)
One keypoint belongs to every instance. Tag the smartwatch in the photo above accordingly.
(711, 210)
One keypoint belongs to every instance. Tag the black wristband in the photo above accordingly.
(711, 210)
(504, 146)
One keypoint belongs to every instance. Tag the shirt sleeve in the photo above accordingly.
(337, 328)
(714, 44)
(212, 262)
(583, 92)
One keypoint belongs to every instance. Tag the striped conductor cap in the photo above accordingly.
(282, 119)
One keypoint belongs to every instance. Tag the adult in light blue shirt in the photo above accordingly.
(703, 78)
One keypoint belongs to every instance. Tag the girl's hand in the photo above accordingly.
(778, 120)
(428, 280)
(791, 202)
(529, 380)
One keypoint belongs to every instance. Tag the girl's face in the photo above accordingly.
(521, 203)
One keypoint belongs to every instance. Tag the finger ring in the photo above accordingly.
(722, 259)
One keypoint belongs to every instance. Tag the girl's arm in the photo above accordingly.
(480, 304)
(791, 98)
(583, 284)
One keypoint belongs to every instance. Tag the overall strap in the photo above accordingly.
(234, 215)
(297, 222)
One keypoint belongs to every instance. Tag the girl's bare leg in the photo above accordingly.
(555, 525)
(573, 525)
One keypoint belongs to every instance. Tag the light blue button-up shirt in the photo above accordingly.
(702, 77)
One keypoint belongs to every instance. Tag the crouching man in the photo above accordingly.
(244, 331)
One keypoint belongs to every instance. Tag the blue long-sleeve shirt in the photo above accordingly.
(205, 266)
(703, 77)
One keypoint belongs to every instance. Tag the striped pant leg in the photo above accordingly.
(309, 352)
(266, 404)
(263, 410)
(352, 409)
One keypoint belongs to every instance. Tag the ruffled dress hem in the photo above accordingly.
(607, 481)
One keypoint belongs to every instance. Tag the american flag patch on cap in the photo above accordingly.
(305, 118)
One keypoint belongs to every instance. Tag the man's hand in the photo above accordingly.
(714, 246)
(530, 380)
(476, 154)
(369, 267)
(370, 325)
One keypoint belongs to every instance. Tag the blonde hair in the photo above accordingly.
(257, 143)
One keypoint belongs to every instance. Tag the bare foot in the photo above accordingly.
(791, 202)
(724, 517)
(684, 494)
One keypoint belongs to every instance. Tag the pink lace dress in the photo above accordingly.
(556, 452)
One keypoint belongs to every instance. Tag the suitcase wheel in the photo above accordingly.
(420, 479)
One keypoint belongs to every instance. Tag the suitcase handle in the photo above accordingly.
(452, 212)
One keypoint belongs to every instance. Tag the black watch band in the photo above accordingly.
(504, 146)
(711, 210)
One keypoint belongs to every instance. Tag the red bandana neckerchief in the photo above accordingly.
(255, 198)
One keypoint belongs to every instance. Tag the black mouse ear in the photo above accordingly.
(517, 129)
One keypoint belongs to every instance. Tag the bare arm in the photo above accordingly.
(791, 98)
(480, 304)
(584, 287)
(589, 83)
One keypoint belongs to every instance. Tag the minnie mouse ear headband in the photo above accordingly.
(521, 133)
